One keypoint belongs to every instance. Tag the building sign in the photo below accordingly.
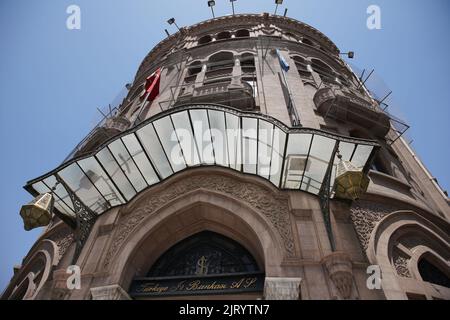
(211, 284)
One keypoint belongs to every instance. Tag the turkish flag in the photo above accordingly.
(152, 86)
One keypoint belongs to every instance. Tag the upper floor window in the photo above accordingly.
(308, 42)
(220, 60)
(223, 35)
(204, 39)
(247, 63)
(325, 72)
(195, 68)
(290, 36)
(302, 67)
(242, 33)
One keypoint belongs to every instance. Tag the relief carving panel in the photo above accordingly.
(273, 206)
(365, 215)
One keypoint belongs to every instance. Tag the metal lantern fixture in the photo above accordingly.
(351, 182)
(38, 212)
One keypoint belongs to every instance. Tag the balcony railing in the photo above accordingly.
(218, 73)
(240, 95)
(350, 107)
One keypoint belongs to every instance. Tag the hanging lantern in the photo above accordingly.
(351, 182)
(38, 212)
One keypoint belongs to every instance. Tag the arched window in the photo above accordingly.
(242, 33)
(195, 68)
(307, 42)
(343, 80)
(302, 67)
(325, 72)
(220, 60)
(432, 273)
(223, 35)
(378, 165)
(290, 36)
(204, 39)
(247, 63)
(202, 254)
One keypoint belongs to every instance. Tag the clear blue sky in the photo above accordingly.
(52, 79)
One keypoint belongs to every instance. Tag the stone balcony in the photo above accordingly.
(350, 107)
(238, 96)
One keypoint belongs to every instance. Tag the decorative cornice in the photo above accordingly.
(239, 19)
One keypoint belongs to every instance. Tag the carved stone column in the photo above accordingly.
(339, 268)
(112, 292)
(237, 73)
(282, 288)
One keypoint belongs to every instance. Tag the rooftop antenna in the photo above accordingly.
(232, 5)
(211, 4)
(285, 12)
(277, 2)
(167, 32)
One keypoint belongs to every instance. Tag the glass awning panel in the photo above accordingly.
(194, 136)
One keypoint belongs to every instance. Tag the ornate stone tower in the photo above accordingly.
(246, 161)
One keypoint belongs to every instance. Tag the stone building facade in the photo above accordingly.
(141, 225)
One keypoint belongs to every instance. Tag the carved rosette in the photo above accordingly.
(340, 271)
(365, 215)
(401, 265)
(273, 206)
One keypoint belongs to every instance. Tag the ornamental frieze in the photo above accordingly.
(365, 215)
(273, 206)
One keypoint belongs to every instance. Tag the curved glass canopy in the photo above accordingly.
(200, 135)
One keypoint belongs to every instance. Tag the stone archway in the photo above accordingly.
(243, 208)
(197, 211)
(36, 271)
(397, 243)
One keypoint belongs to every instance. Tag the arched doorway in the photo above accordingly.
(204, 264)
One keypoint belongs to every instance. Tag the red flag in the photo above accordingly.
(152, 86)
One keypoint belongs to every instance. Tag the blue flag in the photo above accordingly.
(283, 62)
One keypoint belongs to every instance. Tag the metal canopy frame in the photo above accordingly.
(300, 159)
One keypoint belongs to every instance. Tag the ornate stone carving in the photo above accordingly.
(113, 292)
(401, 265)
(365, 215)
(63, 238)
(282, 288)
(274, 207)
(339, 268)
